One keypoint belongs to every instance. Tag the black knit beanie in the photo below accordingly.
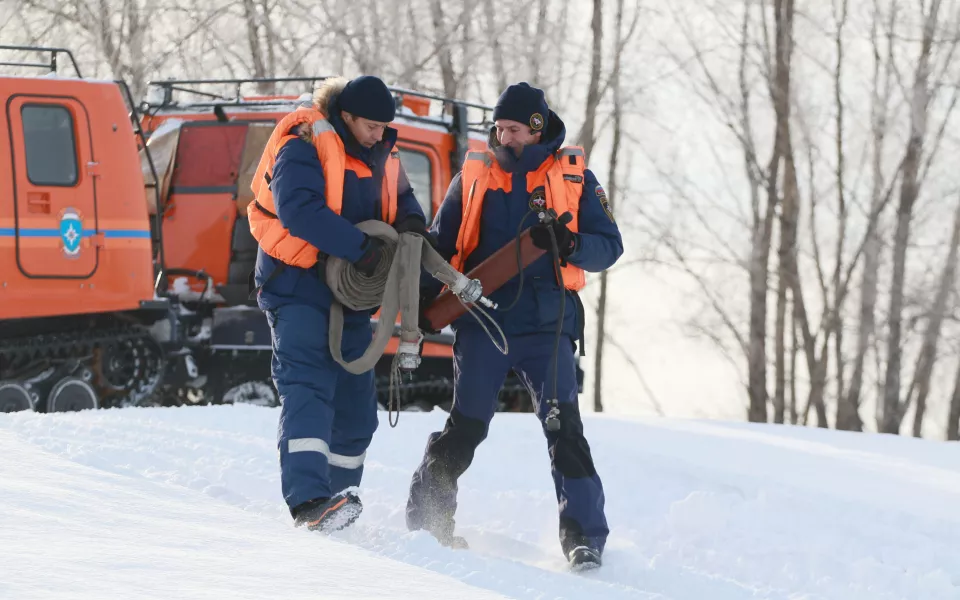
(524, 103)
(368, 97)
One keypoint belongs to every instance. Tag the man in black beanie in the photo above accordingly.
(328, 166)
(521, 116)
(367, 107)
(525, 171)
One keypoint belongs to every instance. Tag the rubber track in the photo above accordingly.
(26, 350)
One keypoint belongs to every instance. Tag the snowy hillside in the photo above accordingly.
(185, 503)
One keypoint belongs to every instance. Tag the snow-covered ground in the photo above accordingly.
(185, 503)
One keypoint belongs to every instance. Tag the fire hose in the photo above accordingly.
(395, 288)
(495, 271)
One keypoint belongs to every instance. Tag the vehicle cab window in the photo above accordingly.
(420, 173)
(49, 144)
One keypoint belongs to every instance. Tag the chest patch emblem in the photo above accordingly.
(538, 201)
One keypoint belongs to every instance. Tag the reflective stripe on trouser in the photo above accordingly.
(328, 415)
(480, 369)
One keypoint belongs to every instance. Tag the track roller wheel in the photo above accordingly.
(14, 397)
(252, 392)
(72, 394)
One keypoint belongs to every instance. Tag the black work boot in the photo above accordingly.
(583, 558)
(452, 541)
(328, 514)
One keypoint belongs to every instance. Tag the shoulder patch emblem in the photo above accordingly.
(604, 202)
(536, 121)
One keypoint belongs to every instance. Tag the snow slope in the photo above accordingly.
(185, 503)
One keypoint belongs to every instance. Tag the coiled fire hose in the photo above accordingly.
(395, 288)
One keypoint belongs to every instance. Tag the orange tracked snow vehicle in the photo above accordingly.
(125, 250)
(76, 247)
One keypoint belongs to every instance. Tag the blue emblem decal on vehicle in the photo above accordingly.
(71, 232)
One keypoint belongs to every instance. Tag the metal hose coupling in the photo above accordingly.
(552, 420)
(408, 352)
(470, 291)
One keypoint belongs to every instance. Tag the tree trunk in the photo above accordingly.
(953, 421)
(794, 350)
(137, 25)
(839, 294)
(535, 62)
(613, 192)
(779, 402)
(909, 190)
(493, 35)
(780, 94)
(848, 407)
(791, 208)
(761, 234)
(928, 350)
(757, 353)
(257, 54)
(601, 334)
(444, 55)
(466, 43)
(587, 137)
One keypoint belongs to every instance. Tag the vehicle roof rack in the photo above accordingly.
(51, 65)
(163, 95)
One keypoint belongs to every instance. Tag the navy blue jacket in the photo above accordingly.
(599, 244)
(298, 193)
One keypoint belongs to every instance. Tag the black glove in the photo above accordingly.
(566, 239)
(372, 254)
(415, 224)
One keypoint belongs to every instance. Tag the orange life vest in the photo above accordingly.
(275, 239)
(561, 177)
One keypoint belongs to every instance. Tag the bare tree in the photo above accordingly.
(794, 351)
(445, 57)
(495, 48)
(537, 38)
(789, 214)
(262, 39)
(119, 29)
(612, 196)
(883, 78)
(920, 385)
(953, 420)
(842, 210)
(736, 110)
(588, 137)
(893, 408)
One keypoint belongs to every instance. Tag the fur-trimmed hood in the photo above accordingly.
(326, 100)
(327, 94)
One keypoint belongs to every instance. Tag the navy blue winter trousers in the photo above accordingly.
(328, 415)
(479, 372)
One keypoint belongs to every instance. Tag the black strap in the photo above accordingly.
(581, 324)
(254, 289)
(265, 211)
